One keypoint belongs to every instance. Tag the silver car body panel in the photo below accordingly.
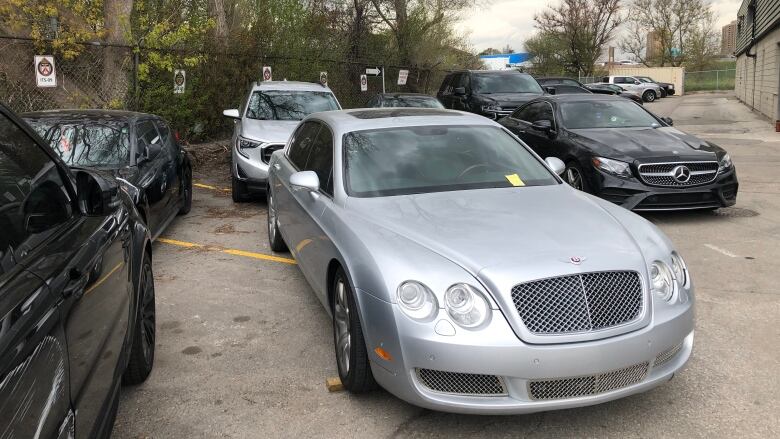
(492, 239)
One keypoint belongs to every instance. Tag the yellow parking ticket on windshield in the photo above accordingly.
(515, 180)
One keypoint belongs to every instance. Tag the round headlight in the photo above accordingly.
(661, 280)
(679, 270)
(416, 300)
(466, 305)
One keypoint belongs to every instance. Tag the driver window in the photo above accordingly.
(545, 113)
(300, 147)
(530, 113)
(33, 199)
(147, 135)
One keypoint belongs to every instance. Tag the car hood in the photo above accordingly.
(506, 234)
(629, 144)
(509, 99)
(271, 131)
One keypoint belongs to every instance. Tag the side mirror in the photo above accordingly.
(542, 125)
(556, 165)
(459, 91)
(305, 180)
(636, 82)
(668, 121)
(98, 194)
(231, 113)
(549, 89)
(152, 151)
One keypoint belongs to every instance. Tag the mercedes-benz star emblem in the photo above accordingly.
(681, 174)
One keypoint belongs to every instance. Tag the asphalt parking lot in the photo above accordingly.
(244, 347)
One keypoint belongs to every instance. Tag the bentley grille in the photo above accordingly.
(579, 302)
(461, 383)
(587, 385)
(679, 174)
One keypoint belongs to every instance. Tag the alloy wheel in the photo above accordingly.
(574, 178)
(341, 322)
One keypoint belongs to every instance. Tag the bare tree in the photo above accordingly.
(219, 33)
(585, 26)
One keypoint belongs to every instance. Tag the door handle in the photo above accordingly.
(76, 284)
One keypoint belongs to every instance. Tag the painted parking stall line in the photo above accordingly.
(209, 187)
(721, 251)
(229, 251)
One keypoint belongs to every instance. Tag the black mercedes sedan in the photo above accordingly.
(77, 306)
(619, 151)
(397, 100)
(139, 149)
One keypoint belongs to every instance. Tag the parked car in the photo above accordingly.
(398, 100)
(77, 308)
(623, 153)
(648, 91)
(263, 124)
(562, 85)
(667, 88)
(490, 93)
(139, 149)
(615, 90)
(445, 253)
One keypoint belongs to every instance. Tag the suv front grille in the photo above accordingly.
(268, 150)
(663, 174)
(587, 385)
(579, 302)
(461, 383)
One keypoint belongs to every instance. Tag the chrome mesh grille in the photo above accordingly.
(667, 355)
(461, 383)
(660, 174)
(580, 302)
(587, 385)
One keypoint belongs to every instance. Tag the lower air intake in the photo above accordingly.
(587, 385)
(467, 384)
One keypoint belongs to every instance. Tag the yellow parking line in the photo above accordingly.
(209, 187)
(229, 251)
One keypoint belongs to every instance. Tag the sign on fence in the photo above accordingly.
(45, 74)
(374, 71)
(267, 76)
(363, 83)
(179, 81)
(403, 75)
(324, 78)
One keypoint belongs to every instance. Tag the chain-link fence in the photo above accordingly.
(141, 79)
(710, 80)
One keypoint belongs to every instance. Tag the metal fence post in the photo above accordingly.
(717, 80)
(135, 105)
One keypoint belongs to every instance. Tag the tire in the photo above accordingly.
(238, 190)
(649, 96)
(144, 335)
(575, 177)
(186, 193)
(351, 353)
(274, 236)
(663, 93)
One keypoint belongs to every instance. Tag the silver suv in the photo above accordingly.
(265, 121)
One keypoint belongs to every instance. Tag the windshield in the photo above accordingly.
(412, 101)
(288, 105)
(423, 159)
(487, 83)
(88, 143)
(605, 114)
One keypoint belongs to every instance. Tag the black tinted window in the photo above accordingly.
(33, 199)
(167, 137)
(445, 83)
(321, 159)
(533, 112)
(301, 144)
(147, 135)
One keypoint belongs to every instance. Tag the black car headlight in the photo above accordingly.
(724, 164)
(612, 167)
(491, 108)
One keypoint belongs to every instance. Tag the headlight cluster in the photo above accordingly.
(665, 279)
(491, 107)
(724, 163)
(248, 144)
(466, 305)
(612, 167)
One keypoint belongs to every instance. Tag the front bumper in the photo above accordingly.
(496, 350)
(252, 170)
(635, 195)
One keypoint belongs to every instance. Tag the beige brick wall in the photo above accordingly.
(757, 81)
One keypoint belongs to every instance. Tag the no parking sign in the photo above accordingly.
(363, 83)
(45, 74)
(267, 76)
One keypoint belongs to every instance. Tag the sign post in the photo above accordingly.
(376, 71)
(267, 76)
(45, 73)
(179, 81)
(363, 83)
(403, 75)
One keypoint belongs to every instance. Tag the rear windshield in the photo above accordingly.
(88, 143)
(288, 105)
(422, 159)
(487, 83)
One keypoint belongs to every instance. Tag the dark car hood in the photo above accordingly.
(508, 99)
(629, 144)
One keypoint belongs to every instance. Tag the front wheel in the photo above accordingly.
(142, 350)
(186, 205)
(575, 177)
(351, 353)
(648, 96)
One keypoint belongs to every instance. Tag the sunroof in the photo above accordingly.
(400, 112)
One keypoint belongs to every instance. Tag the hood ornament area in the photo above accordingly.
(575, 260)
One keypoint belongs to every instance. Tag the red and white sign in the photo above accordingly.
(267, 76)
(45, 73)
(363, 83)
(403, 75)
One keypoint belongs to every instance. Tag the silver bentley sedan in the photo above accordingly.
(463, 275)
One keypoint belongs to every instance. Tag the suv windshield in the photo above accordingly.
(415, 160)
(88, 143)
(288, 105)
(605, 114)
(487, 83)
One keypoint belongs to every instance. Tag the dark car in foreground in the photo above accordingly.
(139, 149)
(398, 100)
(77, 308)
(490, 93)
(623, 153)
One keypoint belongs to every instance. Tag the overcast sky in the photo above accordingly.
(496, 23)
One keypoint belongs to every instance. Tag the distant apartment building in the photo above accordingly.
(654, 46)
(728, 39)
(758, 57)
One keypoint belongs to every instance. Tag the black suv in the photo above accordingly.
(77, 315)
(491, 93)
